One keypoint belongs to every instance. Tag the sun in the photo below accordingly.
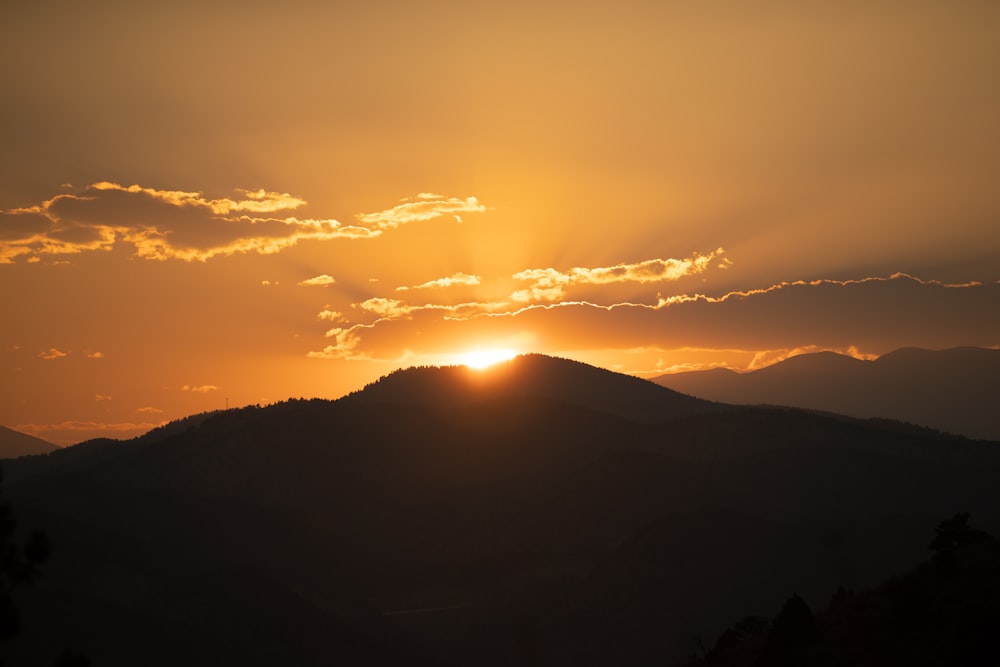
(480, 359)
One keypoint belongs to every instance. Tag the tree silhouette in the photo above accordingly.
(950, 536)
(955, 532)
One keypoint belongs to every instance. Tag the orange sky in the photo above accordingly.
(202, 202)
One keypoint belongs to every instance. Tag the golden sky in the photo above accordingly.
(204, 203)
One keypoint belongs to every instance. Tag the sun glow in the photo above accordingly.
(480, 359)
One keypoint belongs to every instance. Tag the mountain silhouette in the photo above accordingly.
(951, 390)
(14, 443)
(451, 516)
(535, 376)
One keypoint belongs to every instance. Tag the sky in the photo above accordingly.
(220, 204)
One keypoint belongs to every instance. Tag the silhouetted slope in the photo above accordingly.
(14, 443)
(535, 376)
(678, 580)
(933, 614)
(951, 390)
(472, 492)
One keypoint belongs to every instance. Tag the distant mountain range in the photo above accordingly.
(14, 443)
(956, 390)
(540, 512)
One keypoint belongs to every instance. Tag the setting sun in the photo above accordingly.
(479, 359)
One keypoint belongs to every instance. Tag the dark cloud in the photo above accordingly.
(872, 315)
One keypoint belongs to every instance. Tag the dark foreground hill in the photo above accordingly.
(952, 390)
(14, 443)
(547, 513)
(943, 612)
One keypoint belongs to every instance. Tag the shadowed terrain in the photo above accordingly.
(14, 443)
(954, 390)
(540, 512)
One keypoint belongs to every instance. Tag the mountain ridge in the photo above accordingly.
(534, 375)
(504, 504)
(15, 443)
(951, 390)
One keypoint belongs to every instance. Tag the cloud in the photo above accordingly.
(550, 284)
(318, 281)
(148, 409)
(102, 397)
(330, 315)
(95, 355)
(83, 426)
(387, 307)
(71, 432)
(872, 315)
(740, 294)
(455, 279)
(162, 224)
(425, 206)
(52, 353)
(200, 389)
(547, 286)
(764, 358)
(345, 345)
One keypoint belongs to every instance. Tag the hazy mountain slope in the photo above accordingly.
(420, 493)
(951, 390)
(14, 443)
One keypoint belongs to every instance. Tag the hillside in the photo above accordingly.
(446, 517)
(950, 390)
(535, 376)
(14, 443)
(942, 612)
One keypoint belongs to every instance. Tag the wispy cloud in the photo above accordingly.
(84, 426)
(102, 397)
(346, 342)
(739, 294)
(861, 317)
(452, 280)
(764, 358)
(52, 353)
(318, 281)
(387, 307)
(425, 206)
(551, 284)
(177, 224)
(71, 432)
(200, 389)
(328, 315)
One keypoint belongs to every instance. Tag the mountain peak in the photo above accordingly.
(534, 376)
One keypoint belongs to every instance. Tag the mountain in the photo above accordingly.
(542, 512)
(535, 376)
(14, 443)
(950, 390)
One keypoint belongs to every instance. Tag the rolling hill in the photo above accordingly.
(14, 443)
(950, 390)
(456, 517)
